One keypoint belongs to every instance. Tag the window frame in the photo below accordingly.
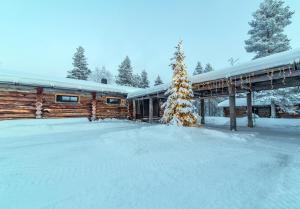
(67, 102)
(119, 104)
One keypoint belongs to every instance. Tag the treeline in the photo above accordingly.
(125, 77)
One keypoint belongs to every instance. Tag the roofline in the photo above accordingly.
(62, 88)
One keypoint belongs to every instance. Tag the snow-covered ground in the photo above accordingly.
(64, 164)
(258, 122)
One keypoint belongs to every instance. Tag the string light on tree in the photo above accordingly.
(179, 109)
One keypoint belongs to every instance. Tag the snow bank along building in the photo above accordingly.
(29, 96)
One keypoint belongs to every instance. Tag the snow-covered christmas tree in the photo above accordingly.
(179, 108)
(266, 33)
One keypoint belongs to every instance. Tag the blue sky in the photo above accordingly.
(41, 36)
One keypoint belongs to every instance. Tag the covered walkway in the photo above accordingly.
(276, 71)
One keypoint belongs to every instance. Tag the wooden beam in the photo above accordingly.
(232, 108)
(39, 103)
(249, 109)
(133, 110)
(150, 110)
(202, 110)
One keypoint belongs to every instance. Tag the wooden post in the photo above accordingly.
(133, 110)
(94, 107)
(202, 111)
(249, 109)
(143, 103)
(232, 109)
(150, 110)
(39, 103)
(273, 109)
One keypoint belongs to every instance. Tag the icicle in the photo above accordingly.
(270, 75)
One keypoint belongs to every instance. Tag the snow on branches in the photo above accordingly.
(179, 108)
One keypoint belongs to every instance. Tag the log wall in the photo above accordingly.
(104, 110)
(53, 109)
(17, 102)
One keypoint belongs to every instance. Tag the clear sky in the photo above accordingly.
(41, 36)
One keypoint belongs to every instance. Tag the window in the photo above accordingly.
(67, 98)
(104, 80)
(113, 101)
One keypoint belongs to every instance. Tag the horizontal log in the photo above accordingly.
(15, 111)
(65, 114)
(66, 110)
(17, 115)
(17, 103)
(64, 106)
(17, 107)
(17, 94)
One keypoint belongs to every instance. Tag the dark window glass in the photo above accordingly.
(113, 101)
(104, 80)
(66, 98)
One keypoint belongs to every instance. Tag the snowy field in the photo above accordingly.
(75, 164)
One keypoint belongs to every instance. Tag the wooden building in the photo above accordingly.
(24, 96)
(275, 71)
(261, 109)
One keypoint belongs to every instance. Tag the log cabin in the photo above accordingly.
(30, 96)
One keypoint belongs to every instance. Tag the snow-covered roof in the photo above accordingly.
(242, 102)
(279, 59)
(64, 83)
(148, 91)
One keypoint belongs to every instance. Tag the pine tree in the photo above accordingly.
(125, 77)
(144, 80)
(98, 75)
(199, 69)
(136, 81)
(208, 68)
(266, 33)
(179, 108)
(158, 81)
(80, 67)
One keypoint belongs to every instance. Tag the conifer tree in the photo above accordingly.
(136, 80)
(208, 68)
(179, 109)
(80, 67)
(144, 80)
(158, 81)
(267, 27)
(125, 77)
(199, 69)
